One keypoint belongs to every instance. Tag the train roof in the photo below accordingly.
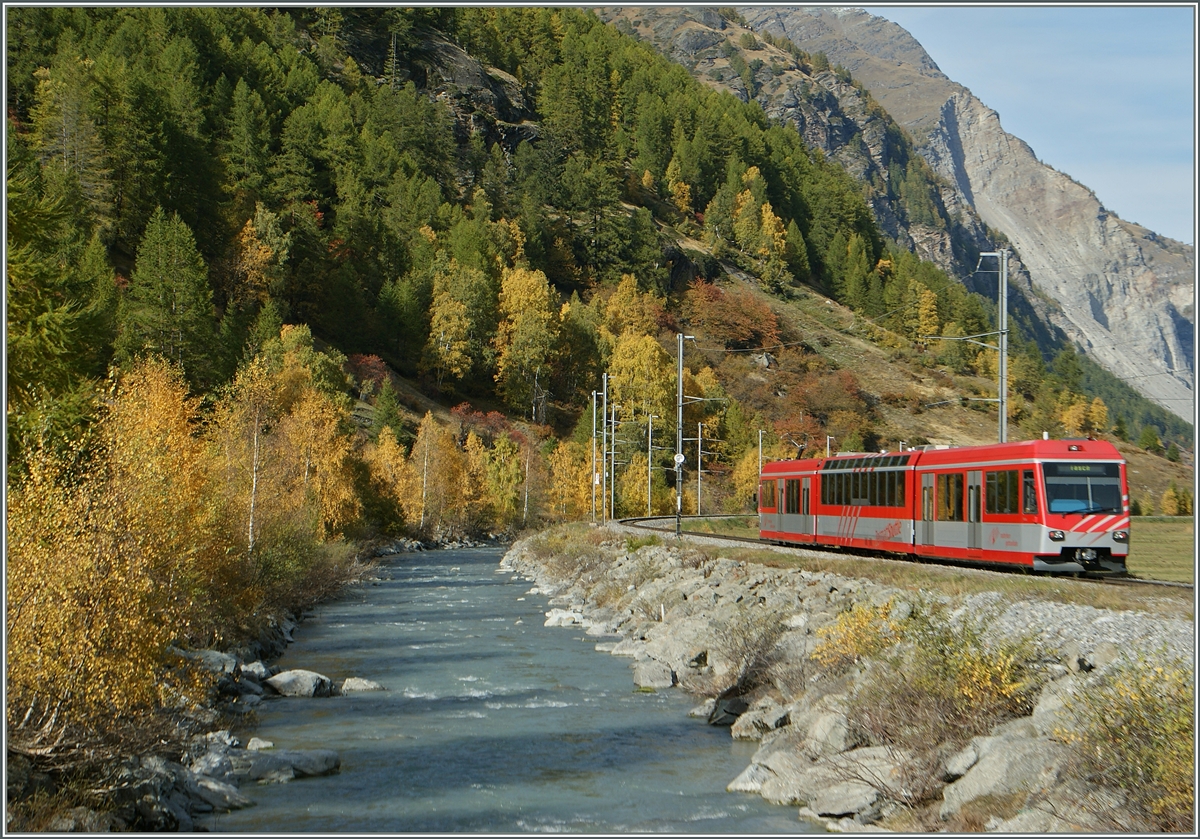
(1066, 449)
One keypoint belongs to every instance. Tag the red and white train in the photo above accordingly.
(1048, 505)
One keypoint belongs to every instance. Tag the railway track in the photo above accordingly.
(668, 525)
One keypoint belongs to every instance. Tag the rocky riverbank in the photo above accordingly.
(156, 793)
(682, 613)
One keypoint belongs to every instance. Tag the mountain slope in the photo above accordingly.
(1126, 294)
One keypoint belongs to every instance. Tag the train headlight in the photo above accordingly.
(1057, 536)
(1120, 535)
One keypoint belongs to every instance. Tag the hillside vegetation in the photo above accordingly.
(254, 257)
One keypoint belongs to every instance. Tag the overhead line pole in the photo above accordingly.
(604, 452)
(594, 475)
(679, 455)
(649, 466)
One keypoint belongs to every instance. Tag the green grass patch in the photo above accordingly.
(744, 526)
(1162, 548)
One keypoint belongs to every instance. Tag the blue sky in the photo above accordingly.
(1105, 94)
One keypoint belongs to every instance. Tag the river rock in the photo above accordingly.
(256, 670)
(848, 798)
(83, 820)
(301, 683)
(213, 661)
(357, 685)
(220, 795)
(764, 715)
(562, 617)
(750, 780)
(311, 762)
(726, 710)
(257, 744)
(634, 647)
(1008, 766)
(653, 674)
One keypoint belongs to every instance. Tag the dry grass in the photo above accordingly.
(1163, 549)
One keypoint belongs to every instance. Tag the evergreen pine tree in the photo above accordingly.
(168, 309)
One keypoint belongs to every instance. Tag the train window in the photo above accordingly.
(950, 497)
(1002, 492)
(899, 488)
(767, 495)
(791, 496)
(1029, 491)
(1082, 487)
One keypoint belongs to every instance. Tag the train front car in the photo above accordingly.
(1086, 519)
(1060, 506)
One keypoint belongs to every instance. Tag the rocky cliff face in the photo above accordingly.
(1124, 294)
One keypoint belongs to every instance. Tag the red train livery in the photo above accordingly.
(1048, 505)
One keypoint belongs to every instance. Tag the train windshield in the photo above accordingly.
(1083, 488)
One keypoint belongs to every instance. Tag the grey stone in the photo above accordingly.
(765, 715)
(257, 744)
(300, 683)
(632, 647)
(221, 796)
(1008, 766)
(848, 798)
(751, 779)
(961, 763)
(1105, 654)
(357, 685)
(653, 674)
(211, 660)
(726, 711)
(311, 761)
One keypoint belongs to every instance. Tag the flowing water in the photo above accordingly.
(490, 721)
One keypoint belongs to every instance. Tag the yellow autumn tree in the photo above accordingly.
(476, 500)
(773, 238)
(745, 481)
(525, 338)
(681, 191)
(431, 498)
(1098, 416)
(641, 377)
(570, 481)
(387, 465)
(505, 479)
(107, 564)
(629, 310)
(927, 314)
(314, 436)
(1074, 414)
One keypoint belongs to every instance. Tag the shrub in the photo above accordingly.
(858, 633)
(748, 641)
(1135, 733)
(951, 679)
(633, 543)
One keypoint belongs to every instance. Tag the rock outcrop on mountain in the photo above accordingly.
(1125, 294)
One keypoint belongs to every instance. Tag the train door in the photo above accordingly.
(925, 526)
(806, 519)
(768, 510)
(974, 505)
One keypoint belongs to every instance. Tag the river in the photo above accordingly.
(490, 722)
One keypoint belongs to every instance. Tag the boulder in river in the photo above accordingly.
(301, 683)
(356, 685)
(653, 674)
